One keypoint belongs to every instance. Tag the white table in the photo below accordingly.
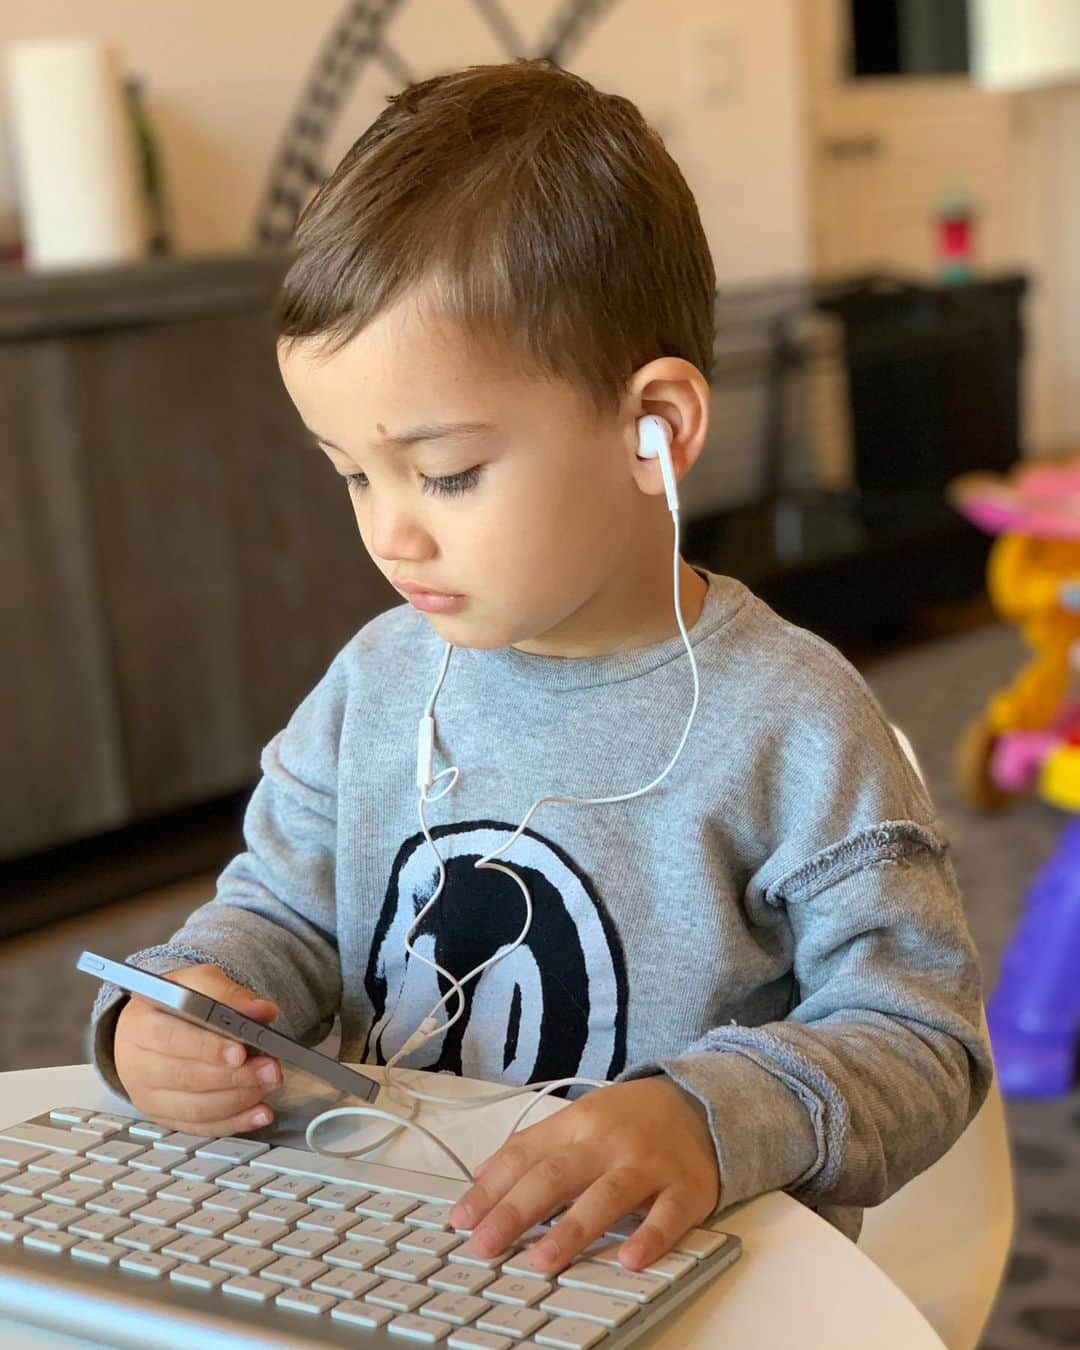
(799, 1282)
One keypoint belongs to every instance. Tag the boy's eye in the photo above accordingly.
(447, 487)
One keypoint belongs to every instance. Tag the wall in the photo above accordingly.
(718, 78)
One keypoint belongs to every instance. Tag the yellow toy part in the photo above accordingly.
(1059, 777)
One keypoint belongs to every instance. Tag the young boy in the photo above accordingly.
(765, 957)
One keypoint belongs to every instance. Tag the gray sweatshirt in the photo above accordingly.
(777, 925)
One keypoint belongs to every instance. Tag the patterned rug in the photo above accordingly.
(930, 690)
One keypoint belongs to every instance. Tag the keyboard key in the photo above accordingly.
(469, 1338)
(230, 1150)
(29, 1183)
(46, 1241)
(413, 1266)
(378, 1230)
(332, 1222)
(570, 1333)
(55, 1216)
(146, 1237)
(385, 1206)
(11, 1230)
(306, 1243)
(103, 1173)
(251, 1287)
(116, 1202)
(338, 1197)
(104, 1227)
(357, 1255)
(163, 1212)
(432, 1241)
(282, 1211)
(244, 1178)
(14, 1207)
(430, 1216)
(46, 1137)
(19, 1155)
(151, 1264)
(237, 1203)
(109, 1120)
(671, 1266)
(345, 1283)
(701, 1242)
(258, 1233)
(399, 1295)
(146, 1184)
(192, 1247)
(187, 1192)
(208, 1222)
(516, 1322)
(99, 1253)
(291, 1188)
(421, 1329)
(151, 1160)
(73, 1192)
(70, 1113)
(58, 1165)
(518, 1289)
(304, 1300)
(637, 1285)
(366, 1315)
(146, 1129)
(467, 1256)
(198, 1277)
(199, 1169)
(462, 1279)
(178, 1142)
(243, 1260)
(374, 1176)
(457, 1309)
(294, 1270)
(603, 1308)
(115, 1151)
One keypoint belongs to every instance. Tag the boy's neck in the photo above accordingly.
(636, 612)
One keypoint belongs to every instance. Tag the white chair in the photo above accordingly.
(944, 1238)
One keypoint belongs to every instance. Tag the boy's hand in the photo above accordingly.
(188, 1079)
(639, 1145)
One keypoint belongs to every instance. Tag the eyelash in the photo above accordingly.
(452, 486)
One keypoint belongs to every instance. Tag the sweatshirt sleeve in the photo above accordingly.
(272, 923)
(882, 1059)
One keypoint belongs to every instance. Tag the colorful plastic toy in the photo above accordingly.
(1028, 737)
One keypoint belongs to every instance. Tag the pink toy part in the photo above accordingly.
(1018, 756)
(1040, 500)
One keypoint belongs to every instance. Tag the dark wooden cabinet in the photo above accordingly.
(178, 563)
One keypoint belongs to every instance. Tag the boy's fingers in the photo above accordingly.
(161, 1033)
(552, 1182)
(612, 1195)
(503, 1168)
(673, 1213)
(210, 1113)
(189, 1075)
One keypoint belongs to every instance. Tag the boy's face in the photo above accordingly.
(548, 512)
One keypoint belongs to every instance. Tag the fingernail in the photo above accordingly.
(546, 1251)
(267, 1074)
(260, 1117)
(234, 1055)
(461, 1216)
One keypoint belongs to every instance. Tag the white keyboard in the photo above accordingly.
(117, 1229)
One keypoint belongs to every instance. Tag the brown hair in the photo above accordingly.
(548, 217)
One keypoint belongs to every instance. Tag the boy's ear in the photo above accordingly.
(677, 391)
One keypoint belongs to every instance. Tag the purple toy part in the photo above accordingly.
(1034, 1012)
(1040, 500)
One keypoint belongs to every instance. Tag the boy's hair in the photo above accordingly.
(548, 218)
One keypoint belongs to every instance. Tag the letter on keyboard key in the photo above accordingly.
(516, 1322)
(345, 1283)
(455, 1308)
(400, 1296)
(304, 1300)
(242, 1260)
(518, 1289)
(99, 1253)
(570, 1333)
(417, 1328)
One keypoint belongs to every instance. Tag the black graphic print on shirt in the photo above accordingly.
(554, 1008)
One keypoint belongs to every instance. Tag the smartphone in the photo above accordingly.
(205, 1011)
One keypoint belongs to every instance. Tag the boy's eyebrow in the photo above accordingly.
(428, 431)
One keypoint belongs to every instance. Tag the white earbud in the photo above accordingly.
(654, 442)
